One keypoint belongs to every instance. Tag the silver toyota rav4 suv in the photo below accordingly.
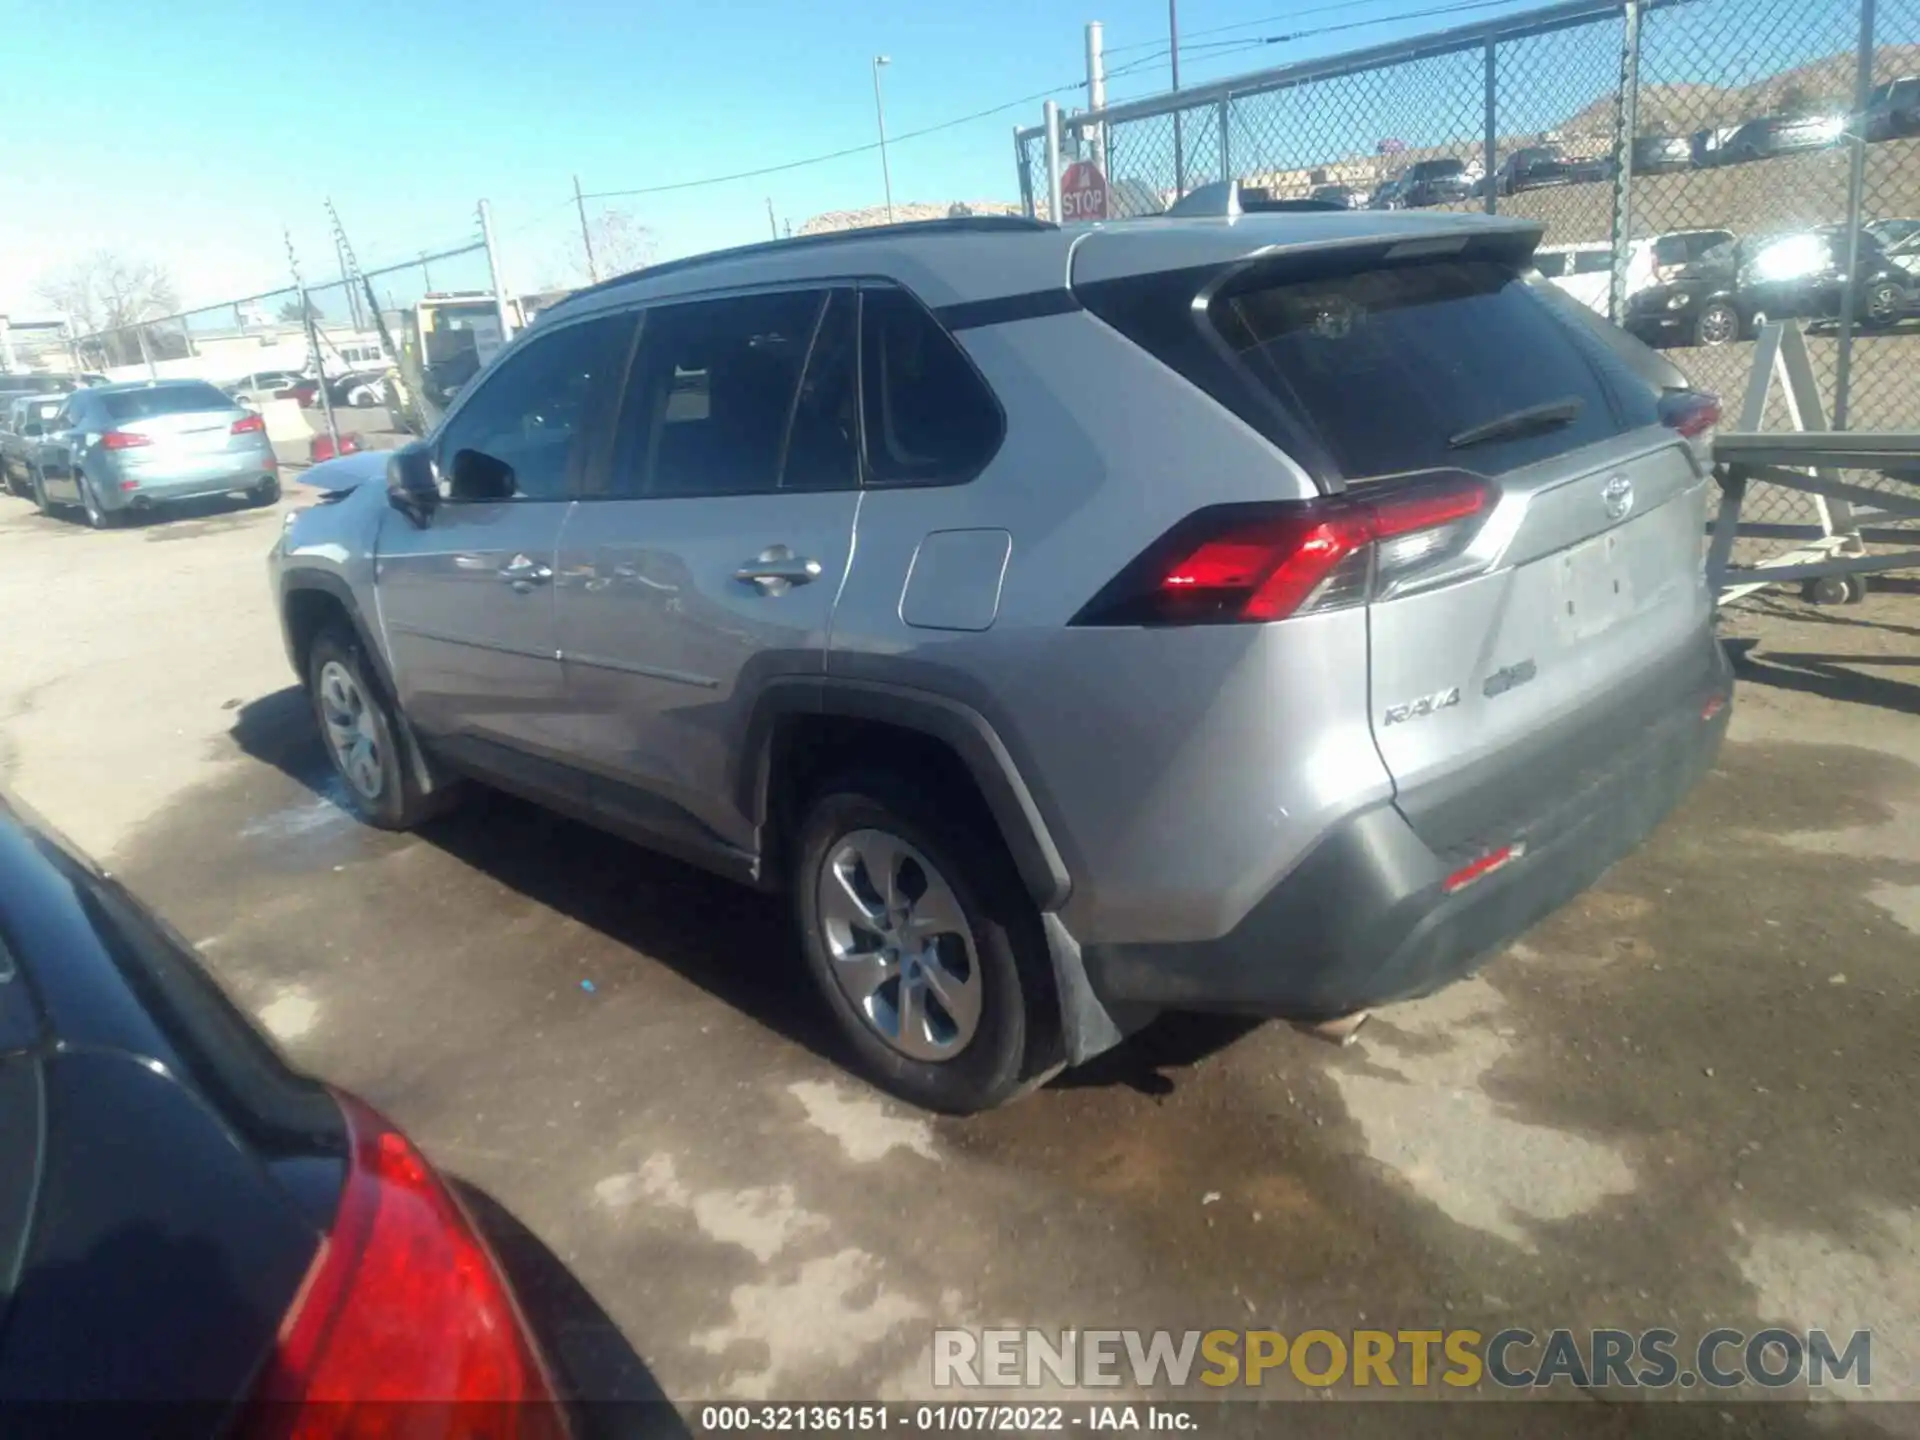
(1272, 615)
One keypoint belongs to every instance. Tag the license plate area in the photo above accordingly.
(1593, 587)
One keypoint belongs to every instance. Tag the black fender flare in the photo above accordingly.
(960, 727)
(1087, 1024)
(428, 776)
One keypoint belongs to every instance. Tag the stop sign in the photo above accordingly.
(1083, 193)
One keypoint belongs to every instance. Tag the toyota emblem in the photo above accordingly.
(1618, 496)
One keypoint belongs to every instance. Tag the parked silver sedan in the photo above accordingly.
(115, 449)
(21, 425)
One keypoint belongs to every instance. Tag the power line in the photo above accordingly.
(1337, 6)
(838, 154)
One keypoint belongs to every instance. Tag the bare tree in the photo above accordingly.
(621, 244)
(105, 291)
(294, 313)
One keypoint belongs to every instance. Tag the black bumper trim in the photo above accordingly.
(1363, 920)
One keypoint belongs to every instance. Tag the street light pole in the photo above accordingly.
(880, 113)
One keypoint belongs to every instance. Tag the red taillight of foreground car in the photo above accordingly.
(124, 440)
(249, 425)
(403, 1313)
(1692, 412)
(1232, 564)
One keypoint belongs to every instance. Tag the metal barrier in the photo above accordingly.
(1641, 133)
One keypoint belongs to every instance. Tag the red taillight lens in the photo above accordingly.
(124, 440)
(1247, 563)
(1691, 412)
(249, 425)
(403, 1311)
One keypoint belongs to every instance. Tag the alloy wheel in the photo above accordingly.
(1718, 326)
(899, 945)
(351, 733)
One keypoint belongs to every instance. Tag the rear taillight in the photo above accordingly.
(1231, 564)
(249, 425)
(1691, 412)
(403, 1311)
(124, 440)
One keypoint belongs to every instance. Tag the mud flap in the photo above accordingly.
(1088, 1027)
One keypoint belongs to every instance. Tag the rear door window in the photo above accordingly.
(711, 393)
(126, 405)
(929, 417)
(1386, 366)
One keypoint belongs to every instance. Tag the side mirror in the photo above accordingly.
(479, 476)
(412, 487)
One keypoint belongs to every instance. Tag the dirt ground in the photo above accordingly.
(1685, 1101)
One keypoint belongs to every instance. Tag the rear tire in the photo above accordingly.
(957, 1019)
(267, 492)
(1881, 308)
(363, 734)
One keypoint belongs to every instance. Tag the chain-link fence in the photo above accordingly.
(1771, 148)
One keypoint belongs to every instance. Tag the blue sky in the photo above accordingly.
(191, 132)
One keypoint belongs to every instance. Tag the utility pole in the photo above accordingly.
(313, 331)
(880, 112)
(1097, 91)
(1179, 142)
(771, 223)
(346, 283)
(493, 275)
(586, 238)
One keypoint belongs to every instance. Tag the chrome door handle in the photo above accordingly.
(777, 569)
(523, 574)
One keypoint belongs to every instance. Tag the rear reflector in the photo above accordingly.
(124, 440)
(1691, 412)
(403, 1312)
(1713, 707)
(1483, 867)
(249, 425)
(1231, 564)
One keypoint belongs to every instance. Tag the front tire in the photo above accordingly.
(1718, 324)
(924, 946)
(362, 733)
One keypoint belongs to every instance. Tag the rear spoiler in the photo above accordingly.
(1228, 199)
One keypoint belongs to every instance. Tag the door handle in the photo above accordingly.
(777, 569)
(523, 574)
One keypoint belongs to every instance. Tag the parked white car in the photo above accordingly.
(1585, 269)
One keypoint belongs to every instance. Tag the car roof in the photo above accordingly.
(959, 261)
(122, 387)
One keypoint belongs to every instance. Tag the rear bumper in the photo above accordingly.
(1364, 918)
(216, 475)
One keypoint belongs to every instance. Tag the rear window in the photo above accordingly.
(1385, 366)
(929, 417)
(124, 405)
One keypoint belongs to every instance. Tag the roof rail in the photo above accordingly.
(956, 224)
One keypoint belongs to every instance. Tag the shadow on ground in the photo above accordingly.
(613, 1391)
(733, 942)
